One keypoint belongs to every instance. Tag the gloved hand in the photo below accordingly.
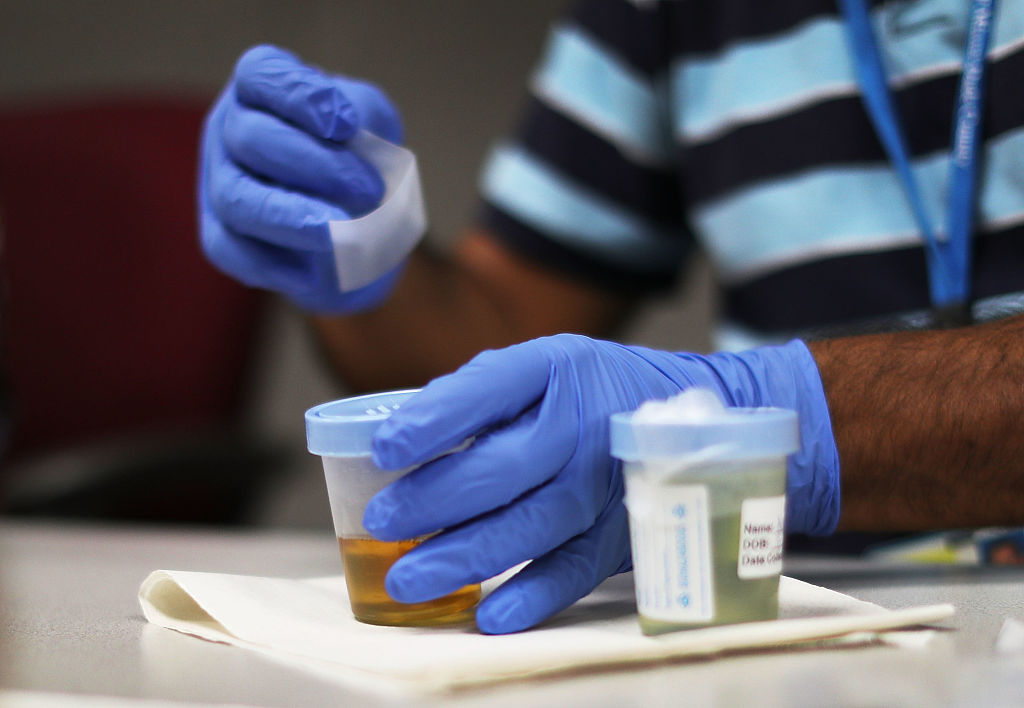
(539, 481)
(274, 170)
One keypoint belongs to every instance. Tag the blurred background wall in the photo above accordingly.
(455, 68)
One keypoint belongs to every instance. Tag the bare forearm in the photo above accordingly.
(447, 309)
(433, 321)
(929, 426)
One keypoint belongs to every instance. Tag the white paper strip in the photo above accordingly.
(367, 247)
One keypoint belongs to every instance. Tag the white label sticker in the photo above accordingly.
(761, 537)
(670, 538)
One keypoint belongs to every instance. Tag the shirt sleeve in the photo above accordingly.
(586, 184)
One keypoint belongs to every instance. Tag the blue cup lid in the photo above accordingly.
(738, 432)
(345, 428)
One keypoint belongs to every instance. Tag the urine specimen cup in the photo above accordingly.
(706, 496)
(341, 433)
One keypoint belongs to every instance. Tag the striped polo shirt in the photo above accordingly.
(737, 127)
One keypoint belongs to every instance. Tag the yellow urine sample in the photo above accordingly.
(367, 561)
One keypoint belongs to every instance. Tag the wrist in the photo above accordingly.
(353, 302)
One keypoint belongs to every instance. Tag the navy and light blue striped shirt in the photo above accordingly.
(736, 126)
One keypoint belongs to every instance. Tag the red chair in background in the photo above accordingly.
(114, 328)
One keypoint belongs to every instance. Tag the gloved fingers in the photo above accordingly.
(555, 581)
(495, 471)
(245, 205)
(528, 528)
(290, 251)
(375, 111)
(327, 106)
(275, 80)
(247, 261)
(255, 263)
(493, 388)
(280, 153)
(273, 214)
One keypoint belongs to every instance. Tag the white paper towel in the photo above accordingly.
(308, 623)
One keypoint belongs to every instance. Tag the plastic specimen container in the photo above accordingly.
(341, 433)
(706, 496)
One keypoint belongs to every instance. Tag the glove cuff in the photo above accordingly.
(361, 300)
(786, 376)
(812, 488)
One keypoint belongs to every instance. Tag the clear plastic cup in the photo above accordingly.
(706, 501)
(341, 432)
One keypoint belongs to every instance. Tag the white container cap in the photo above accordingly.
(345, 428)
(737, 433)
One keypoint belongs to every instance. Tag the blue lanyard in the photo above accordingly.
(948, 254)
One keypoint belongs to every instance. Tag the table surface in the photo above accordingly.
(70, 623)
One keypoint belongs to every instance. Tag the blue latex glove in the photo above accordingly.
(274, 170)
(539, 481)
